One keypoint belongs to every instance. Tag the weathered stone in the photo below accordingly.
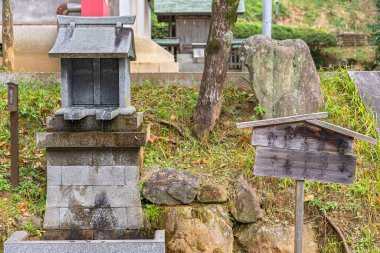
(93, 139)
(34, 220)
(93, 157)
(97, 175)
(212, 193)
(116, 234)
(283, 76)
(93, 175)
(246, 207)
(98, 218)
(254, 238)
(116, 157)
(52, 218)
(92, 196)
(18, 242)
(54, 175)
(197, 229)
(90, 123)
(171, 187)
(135, 217)
(367, 83)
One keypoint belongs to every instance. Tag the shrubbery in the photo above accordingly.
(160, 30)
(316, 39)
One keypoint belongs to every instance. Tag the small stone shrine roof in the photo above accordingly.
(310, 119)
(94, 37)
(187, 7)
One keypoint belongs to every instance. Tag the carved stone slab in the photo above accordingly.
(305, 165)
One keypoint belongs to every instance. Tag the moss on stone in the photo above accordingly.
(213, 46)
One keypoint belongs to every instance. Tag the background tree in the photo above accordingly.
(8, 50)
(217, 53)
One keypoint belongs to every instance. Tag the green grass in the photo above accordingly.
(355, 208)
(362, 56)
(338, 15)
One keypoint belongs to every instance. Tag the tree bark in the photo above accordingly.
(217, 54)
(8, 50)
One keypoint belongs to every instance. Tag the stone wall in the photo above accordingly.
(206, 218)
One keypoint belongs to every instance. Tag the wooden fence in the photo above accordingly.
(352, 39)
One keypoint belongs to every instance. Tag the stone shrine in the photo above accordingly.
(94, 142)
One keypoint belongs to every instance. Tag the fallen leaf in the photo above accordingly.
(309, 197)
(223, 165)
(153, 138)
(378, 201)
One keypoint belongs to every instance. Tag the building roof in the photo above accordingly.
(311, 119)
(94, 37)
(189, 7)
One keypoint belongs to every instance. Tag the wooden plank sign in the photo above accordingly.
(303, 148)
(301, 136)
(305, 165)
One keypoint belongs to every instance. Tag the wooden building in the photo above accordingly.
(189, 24)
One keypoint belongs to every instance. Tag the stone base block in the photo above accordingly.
(116, 234)
(90, 123)
(96, 218)
(93, 139)
(18, 242)
(93, 180)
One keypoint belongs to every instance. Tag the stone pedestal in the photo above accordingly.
(93, 171)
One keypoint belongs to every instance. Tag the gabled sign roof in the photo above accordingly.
(311, 119)
(189, 7)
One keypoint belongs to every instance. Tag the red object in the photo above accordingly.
(95, 8)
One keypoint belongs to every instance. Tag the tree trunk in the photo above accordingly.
(8, 52)
(217, 54)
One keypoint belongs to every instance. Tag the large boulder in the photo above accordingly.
(255, 238)
(283, 76)
(246, 207)
(197, 229)
(171, 187)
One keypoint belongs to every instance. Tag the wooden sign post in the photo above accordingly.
(13, 109)
(303, 148)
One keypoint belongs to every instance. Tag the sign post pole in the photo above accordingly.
(13, 109)
(300, 185)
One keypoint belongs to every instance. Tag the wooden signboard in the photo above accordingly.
(303, 148)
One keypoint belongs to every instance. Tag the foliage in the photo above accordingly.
(346, 109)
(259, 110)
(160, 30)
(354, 208)
(376, 34)
(313, 37)
(36, 101)
(152, 212)
(254, 10)
(341, 15)
(350, 56)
